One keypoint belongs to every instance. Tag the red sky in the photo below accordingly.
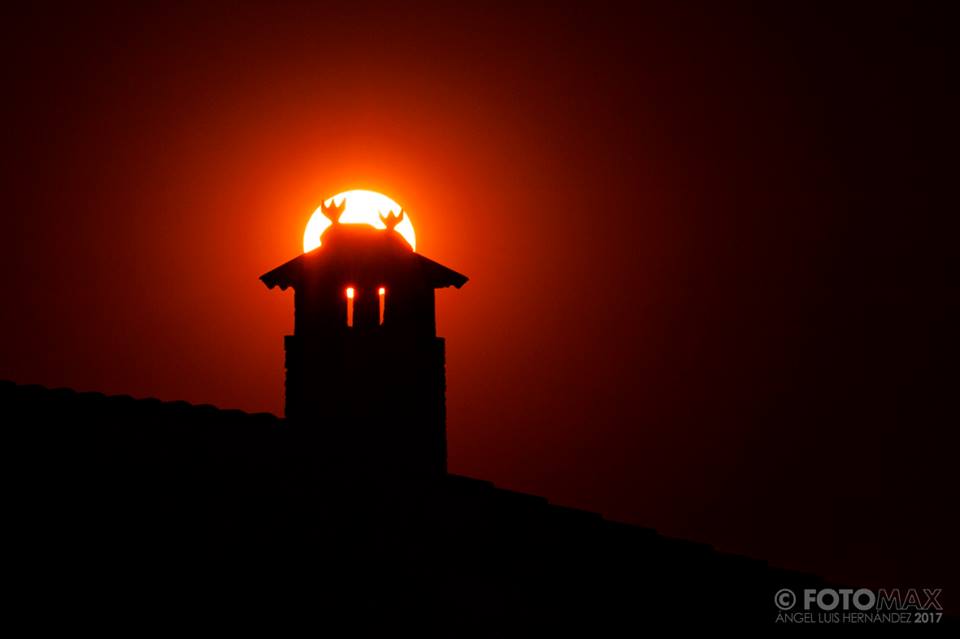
(707, 250)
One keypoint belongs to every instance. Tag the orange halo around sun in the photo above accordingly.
(363, 207)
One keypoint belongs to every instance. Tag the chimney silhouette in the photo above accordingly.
(365, 370)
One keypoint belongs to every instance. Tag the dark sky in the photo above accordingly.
(708, 249)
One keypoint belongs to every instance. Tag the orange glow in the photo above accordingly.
(363, 207)
(382, 293)
(350, 294)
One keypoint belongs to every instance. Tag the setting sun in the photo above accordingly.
(362, 207)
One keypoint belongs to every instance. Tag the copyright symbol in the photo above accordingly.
(785, 599)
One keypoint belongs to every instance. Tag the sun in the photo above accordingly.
(363, 207)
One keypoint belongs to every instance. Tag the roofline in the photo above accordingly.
(276, 276)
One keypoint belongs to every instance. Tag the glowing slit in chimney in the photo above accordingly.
(350, 295)
(383, 300)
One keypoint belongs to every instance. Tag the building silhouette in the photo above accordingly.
(340, 517)
(364, 311)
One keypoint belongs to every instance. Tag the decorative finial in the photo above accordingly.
(334, 211)
(391, 219)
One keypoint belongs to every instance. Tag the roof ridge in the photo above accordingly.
(64, 391)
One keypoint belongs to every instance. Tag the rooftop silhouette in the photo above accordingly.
(182, 510)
